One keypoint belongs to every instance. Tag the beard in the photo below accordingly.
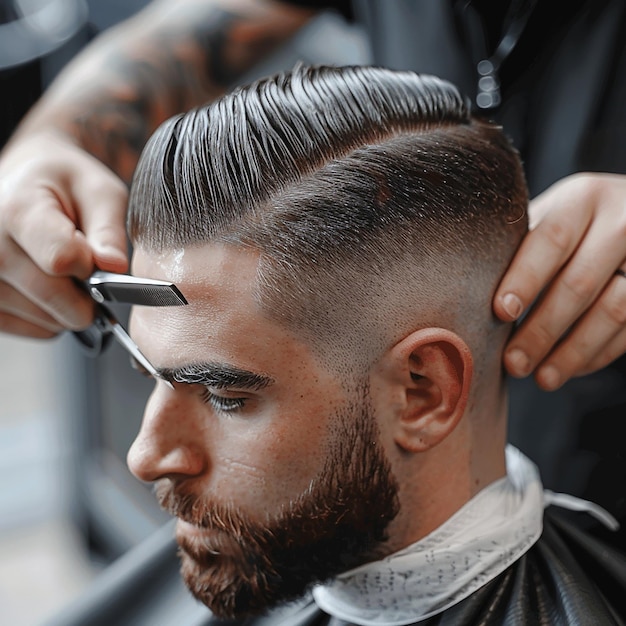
(237, 566)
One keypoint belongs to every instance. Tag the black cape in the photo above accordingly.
(567, 577)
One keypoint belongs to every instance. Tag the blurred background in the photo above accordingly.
(68, 505)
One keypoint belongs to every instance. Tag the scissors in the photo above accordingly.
(110, 287)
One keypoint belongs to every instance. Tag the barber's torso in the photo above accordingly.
(563, 83)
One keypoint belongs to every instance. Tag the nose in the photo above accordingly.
(169, 444)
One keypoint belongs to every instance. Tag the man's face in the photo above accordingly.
(273, 466)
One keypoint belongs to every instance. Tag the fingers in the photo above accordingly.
(544, 251)
(574, 291)
(596, 340)
(18, 326)
(611, 351)
(38, 224)
(61, 215)
(46, 201)
(570, 257)
(28, 292)
(103, 198)
(20, 316)
(13, 305)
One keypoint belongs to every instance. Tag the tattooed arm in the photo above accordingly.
(62, 199)
(168, 58)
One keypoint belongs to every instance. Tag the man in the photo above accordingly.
(61, 210)
(338, 416)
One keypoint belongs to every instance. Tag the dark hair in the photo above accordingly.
(376, 201)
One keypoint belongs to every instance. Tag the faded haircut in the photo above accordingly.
(377, 203)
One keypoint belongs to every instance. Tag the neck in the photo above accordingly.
(491, 532)
(433, 485)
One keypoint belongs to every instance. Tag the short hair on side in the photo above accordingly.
(378, 203)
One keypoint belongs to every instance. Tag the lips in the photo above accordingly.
(190, 530)
(206, 545)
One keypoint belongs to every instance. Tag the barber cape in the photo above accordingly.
(510, 556)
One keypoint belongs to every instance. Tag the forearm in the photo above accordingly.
(168, 58)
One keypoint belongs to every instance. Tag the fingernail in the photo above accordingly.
(549, 377)
(110, 259)
(109, 252)
(512, 305)
(518, 362)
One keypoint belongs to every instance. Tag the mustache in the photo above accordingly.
(240, 538)
(193, 509)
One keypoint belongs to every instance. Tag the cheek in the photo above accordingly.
(262, 465)
(301, 436)
(299, 445)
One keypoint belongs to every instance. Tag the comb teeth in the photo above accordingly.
(159, 296)
(147, 295)
(133, 290)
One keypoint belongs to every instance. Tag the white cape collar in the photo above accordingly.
(484, 537)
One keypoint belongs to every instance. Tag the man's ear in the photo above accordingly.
(431, 369)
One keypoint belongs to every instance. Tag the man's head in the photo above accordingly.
(339, 233)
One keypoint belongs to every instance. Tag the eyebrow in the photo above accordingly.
(217, 375)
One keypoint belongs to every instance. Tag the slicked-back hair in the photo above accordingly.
(377, 203)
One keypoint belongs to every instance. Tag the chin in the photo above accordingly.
(227, 591)
(228, 577)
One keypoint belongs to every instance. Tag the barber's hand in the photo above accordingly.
(576, 243)
(61, 215)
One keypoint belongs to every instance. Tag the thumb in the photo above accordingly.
(102, 212)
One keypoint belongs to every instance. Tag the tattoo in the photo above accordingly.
(170, 77)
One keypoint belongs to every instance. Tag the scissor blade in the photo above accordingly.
(131, 347)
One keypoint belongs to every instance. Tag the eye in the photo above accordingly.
(222, 403)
